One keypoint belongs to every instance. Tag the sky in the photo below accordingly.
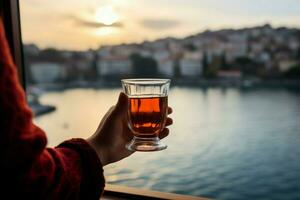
(84, 24)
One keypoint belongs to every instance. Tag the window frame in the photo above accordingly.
(10, 12)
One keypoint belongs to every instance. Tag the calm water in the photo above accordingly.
(225, 143)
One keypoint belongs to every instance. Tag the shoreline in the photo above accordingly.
(201, 83)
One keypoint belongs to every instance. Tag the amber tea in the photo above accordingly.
(147, 115)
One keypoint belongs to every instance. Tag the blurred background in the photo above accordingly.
(235, 71)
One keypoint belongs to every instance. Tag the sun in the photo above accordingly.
(106, 15)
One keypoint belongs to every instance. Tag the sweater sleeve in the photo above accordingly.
(29, 169)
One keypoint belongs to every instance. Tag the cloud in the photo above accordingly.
(159, 23)
(90, 23)
(30, 2)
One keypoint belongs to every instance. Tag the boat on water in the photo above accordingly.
(37, 108)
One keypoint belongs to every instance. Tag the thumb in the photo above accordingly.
(122, 104)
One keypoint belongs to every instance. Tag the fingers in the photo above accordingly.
(122, 104)
(164, 133)
(169, 121)
(170, 110)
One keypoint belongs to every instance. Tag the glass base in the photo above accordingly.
(145, 144)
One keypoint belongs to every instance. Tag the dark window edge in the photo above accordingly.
(11, 16)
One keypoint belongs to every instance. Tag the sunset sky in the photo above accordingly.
(83, 24)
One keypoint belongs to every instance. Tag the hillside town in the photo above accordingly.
(261, 52)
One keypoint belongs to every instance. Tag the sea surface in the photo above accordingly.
(224, 144)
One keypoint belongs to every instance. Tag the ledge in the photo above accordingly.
(117, 192)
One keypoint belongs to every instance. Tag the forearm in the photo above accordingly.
(101, 152)
(27, 167)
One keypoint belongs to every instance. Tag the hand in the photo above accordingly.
(113, 133)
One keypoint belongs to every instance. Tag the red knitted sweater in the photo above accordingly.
(28, 169)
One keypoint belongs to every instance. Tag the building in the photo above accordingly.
(145, 53)
(190, 67)
(294, 44)
(175, 47)
(159, 45)
(232, 74)
(214, 46)
(66, 54)
(264, 57)
(166, 67)
(190, 64)
(256, 47)
(47, 72)
(161, 54)
(125, 49)
(236, 46)
(114, 66)
(104, 51)
(82, 60)
(165, 63)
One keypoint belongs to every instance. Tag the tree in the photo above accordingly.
(50, 53)
(177, 72)
(213, 67)
(224, 65)
(243, 60)
(190, 47)
(293, 72)
(94, 71)
(247, 66)
(144, 66)
(298, 54)
(205, 64)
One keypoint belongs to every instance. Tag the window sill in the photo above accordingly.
(117, 192)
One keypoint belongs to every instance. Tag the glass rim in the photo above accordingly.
(145, 81)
